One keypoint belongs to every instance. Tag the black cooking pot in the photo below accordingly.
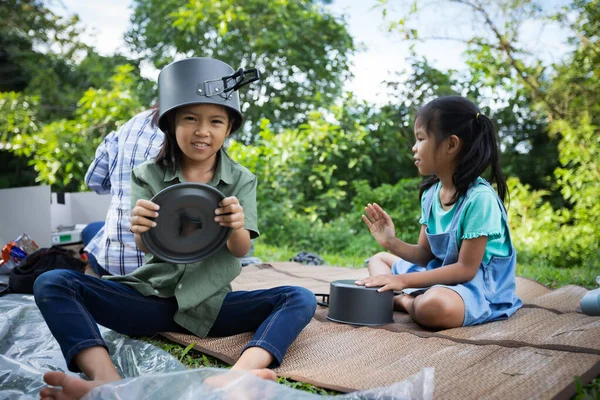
(359, 305)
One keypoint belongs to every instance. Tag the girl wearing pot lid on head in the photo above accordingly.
(464, 260)
(199, 108)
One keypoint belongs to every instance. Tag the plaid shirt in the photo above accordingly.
(110, 172)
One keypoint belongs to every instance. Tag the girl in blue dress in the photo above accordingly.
(462, 270)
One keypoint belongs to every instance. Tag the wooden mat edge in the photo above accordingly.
(570, 390)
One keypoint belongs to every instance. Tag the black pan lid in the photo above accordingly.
(349, 283)
(185, 230)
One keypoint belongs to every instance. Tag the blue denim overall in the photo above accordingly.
(491, 294)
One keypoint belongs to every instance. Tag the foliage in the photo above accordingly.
(307, 169)
(543, 236)
(387, 157)
(301, 50)
(17, 116)
(188, 356)
(28, 31)
(588, 392)
(15, 171)
(61, 151)
(45, 70)
(312, 200)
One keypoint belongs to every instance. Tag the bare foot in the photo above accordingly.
(233, 375)
(403, 302)
(264, 373)
(70, 387)
(398, 306)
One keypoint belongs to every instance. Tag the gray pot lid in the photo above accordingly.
(185, 230)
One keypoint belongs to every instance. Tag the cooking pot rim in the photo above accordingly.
(350, 283)
(391, 321)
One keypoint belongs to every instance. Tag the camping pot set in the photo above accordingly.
(358, 305)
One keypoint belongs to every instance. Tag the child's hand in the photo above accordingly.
(143, 210)
(235, 213)
(380, 224)
(389, 282)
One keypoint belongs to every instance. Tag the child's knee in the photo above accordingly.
(379, 256)
(49, 281)
(433, 311)
(305, 299)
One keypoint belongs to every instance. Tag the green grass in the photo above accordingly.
(271, 253)
(549, 276)
(556, 277)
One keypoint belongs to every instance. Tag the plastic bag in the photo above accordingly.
(216, 384)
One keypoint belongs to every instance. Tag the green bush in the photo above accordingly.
(346, 234)
(308, 168)
(544, 236)
(61, 151)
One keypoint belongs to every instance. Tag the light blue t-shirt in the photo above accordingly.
(481, 216)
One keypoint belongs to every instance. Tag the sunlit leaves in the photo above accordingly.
(61, 151)
(17, 116)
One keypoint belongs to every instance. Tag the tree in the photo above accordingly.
(301, 50)
(27, 24)
(44, 71)
(62, 150)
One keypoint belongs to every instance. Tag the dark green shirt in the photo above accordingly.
(199, 287)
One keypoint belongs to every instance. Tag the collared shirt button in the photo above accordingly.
(179, 286)
(155, 291)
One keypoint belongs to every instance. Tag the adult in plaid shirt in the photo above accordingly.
(112, 250)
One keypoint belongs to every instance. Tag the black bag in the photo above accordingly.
(307, 258)
(22, 277)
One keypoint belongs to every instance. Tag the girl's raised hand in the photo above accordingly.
(380, 224)
(230, 213)
(141, 214)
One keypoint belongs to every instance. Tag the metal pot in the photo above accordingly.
(358, 305)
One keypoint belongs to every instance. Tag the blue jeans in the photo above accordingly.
(90, 230)
(87, 234)
(73, 304)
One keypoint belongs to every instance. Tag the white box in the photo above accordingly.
(68, 236)
(38, 212)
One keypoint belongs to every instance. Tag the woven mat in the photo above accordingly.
(534, 354)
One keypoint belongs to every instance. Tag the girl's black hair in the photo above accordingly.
(169, 155)
(456, 115)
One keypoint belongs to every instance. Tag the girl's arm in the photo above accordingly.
(469, 259)
(382, 228)
(419, 254)
(231, 214)
(465, 269)
(239, 242)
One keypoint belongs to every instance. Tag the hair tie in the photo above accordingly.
(477, 117)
